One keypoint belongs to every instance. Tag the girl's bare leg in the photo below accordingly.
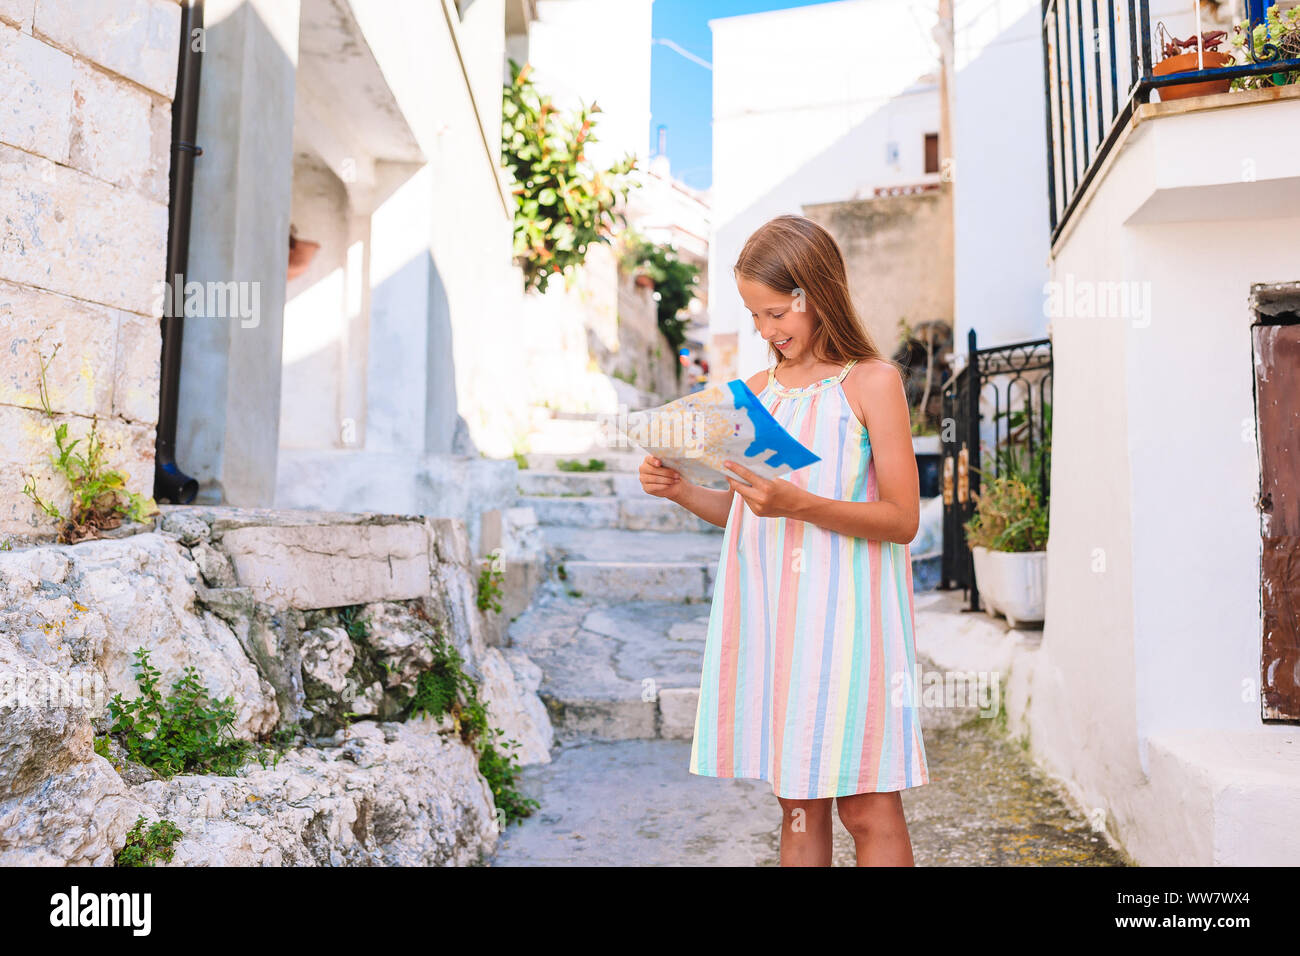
(806, 832)
(875, 821)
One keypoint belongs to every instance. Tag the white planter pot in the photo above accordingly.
(985, 579)
(1020, 585)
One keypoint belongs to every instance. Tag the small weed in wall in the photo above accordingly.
(445, 689)
(100, 498)
(572, 464)
(147, 847)
(186, 732)
(489, 588)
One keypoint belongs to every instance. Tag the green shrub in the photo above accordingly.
(675, 283)
(147, 847)
(186, 732)
(562, 204)
(1008, 517)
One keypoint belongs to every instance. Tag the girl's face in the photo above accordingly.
(784, 320)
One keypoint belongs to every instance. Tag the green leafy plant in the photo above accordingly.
(147, 847)
(562, 203)
(100, 498)
(1281, 28)
(186, 732)
(572, 464)
(675, 282)
(1035, 468)
(356, 626)
(445, 689)
(490, 579)
(1009, 513)
(1008, 517)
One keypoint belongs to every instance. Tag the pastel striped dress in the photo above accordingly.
(809, 673)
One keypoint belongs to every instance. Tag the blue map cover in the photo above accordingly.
(695, 434)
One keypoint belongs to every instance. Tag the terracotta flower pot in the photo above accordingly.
(1187, 62)
(301, 252)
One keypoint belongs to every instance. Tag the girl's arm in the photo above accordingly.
(711, 504)
(896, 514)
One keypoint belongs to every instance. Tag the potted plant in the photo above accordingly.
(1282, 30)
(1008, 540)
(1183, 56)
(301, 253)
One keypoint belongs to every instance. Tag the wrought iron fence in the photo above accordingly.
(1014, 383)
(1098, 67)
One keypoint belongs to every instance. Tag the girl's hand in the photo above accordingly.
(766, 497)
(660, 481)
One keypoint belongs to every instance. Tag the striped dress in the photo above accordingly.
(809, 673)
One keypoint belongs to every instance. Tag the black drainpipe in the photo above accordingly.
(169, 482)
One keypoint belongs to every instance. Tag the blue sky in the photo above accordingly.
(681, 92)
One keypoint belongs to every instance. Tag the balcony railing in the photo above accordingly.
(1097, 68)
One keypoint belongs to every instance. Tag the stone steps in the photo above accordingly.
(615, 511)
(619, 671)
(616, 564)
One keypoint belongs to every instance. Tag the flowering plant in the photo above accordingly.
(1281, 28)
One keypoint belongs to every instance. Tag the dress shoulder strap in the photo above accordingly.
(845, 370)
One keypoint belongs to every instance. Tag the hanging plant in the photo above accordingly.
(562, 203)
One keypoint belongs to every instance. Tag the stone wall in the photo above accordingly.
(898, 251)
(255, 601)
(85, 129)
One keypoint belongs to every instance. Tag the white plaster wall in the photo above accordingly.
(464, 313)
(1153, 617)
(597, 51)
(805, 102)
(999, 129)
(316, 314)
(1000, 215)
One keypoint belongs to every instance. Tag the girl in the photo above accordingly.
(809, 667)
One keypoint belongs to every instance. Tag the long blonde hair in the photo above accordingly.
(793, 253)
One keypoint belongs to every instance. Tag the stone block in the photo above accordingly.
(138, 39)
(312, 566)
(677, 706)
(119, 133)
(18, 13)
(35, 112)
(138, 368)
(451, 540)
(71, 233)
(80, 375)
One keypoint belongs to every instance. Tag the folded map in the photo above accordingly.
(695, 434)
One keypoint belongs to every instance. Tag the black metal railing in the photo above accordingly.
(1013, 384)
(1097, 68)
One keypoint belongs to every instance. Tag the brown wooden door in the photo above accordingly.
(1277, 420)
